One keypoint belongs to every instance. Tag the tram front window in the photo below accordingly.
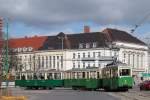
(124, 72)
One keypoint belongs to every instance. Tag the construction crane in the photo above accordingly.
(140, 23)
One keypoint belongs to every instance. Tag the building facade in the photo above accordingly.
(89, 49)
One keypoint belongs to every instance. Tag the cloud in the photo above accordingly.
(58, 13)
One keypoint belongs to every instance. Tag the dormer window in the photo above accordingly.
(94, 44)
(81, 45)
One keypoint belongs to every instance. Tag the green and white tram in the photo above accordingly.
(117, 76)
(42, 79)
(83, 78)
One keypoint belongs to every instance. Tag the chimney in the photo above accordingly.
(86, 29)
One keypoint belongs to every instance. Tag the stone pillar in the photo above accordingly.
(45, 76)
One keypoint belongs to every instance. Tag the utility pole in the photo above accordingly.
(1, 49)
(6, 65)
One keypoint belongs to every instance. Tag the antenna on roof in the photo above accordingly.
(140, 23)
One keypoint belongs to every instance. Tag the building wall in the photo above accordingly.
(134, 55)
(83, 58)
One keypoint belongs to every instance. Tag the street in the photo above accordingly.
(63, 94)
(69, 94)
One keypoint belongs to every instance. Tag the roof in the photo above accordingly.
(34, 42)
(118, 35)
(72, 41)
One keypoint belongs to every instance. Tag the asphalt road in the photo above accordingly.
(63, 94)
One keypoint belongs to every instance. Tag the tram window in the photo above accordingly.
(41, 76)
(87, 75)
(17, 77)
(98, 75)
(58, 76)
(50, 76)
(124, 72)
(107, 73)
(83, 74)
(55, 75)
(114, 73)
(34, 76)
(93, 74)
(23, 77)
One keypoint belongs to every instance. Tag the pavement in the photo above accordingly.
(132, 94)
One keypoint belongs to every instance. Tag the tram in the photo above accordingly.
(115, 76)
(42, 79)
(83, 78)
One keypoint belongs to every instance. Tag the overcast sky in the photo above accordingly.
(48, 17)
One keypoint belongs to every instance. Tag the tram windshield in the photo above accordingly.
(124, 72)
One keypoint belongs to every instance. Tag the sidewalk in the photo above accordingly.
(132, 94)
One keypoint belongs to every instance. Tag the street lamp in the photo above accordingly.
(62, 37)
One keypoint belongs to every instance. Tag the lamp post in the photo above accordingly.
(62, 48)
(62, 44)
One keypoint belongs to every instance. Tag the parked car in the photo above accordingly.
(145, 85)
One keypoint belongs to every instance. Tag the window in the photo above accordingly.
(128, 59)
(83, 64)
(57, 65)
(74, 55)
(62, 62)
(99, 54)
(73, 65)
(42, 61)
(93, 54)
(99, 65)
(78, 55)
(88, 54)
(133, 60)
(94, 44)
(87, 45)
(53, 61)
(78, 64)
(57, 57)
(80, 45)
(88, 64)
(39, 61)
(124, 72)
(46, 62)
(115, 53)
(30, 57)
(83, 55)
(124, 58)
(94, 65)
(137, 61)
(50, 63)
(141, 60)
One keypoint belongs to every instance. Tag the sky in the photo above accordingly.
(49, 17)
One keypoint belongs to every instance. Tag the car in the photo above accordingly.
(145, 85)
